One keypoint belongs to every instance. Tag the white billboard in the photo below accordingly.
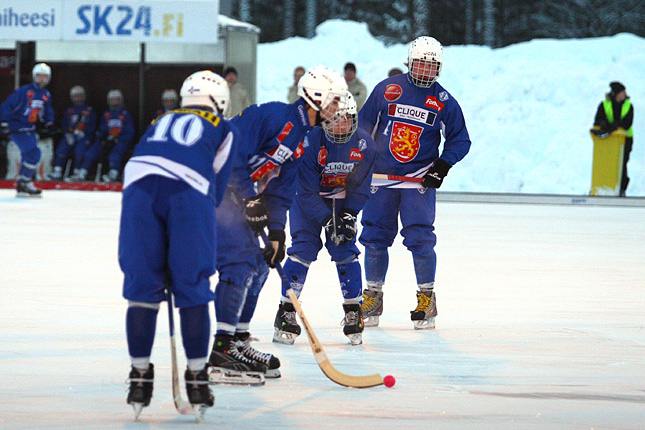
(178, 21)
(31, 19)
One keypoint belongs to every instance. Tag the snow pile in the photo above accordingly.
(528, 106)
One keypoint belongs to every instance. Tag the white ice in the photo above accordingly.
(540, 326)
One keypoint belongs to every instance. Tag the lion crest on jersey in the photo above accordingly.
(404, 141)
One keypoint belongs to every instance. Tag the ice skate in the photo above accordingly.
(199, 393)
(140, 391)
(286, 328)
(423, 316)
(227, 365)
(56, 175)
(111, 176)
(27, 189)
(243, 344)
(79, 175)
(353, 323)
(372, 307)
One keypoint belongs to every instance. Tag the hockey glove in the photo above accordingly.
(274, 254)
(598, 132)
(438, 171)
(346, 226)
(257, 215)
(4, 129)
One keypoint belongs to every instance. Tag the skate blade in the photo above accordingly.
(31, 196)
(355, 339)
(272, 374)
(200, 412)
(371, 321)
(137, 407)
(284, 337)
(427, 324)
(235, 377)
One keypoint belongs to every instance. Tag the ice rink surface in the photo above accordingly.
(540, 326)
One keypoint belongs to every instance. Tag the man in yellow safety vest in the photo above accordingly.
(614, 112)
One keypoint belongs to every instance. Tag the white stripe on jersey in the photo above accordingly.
(145, 165)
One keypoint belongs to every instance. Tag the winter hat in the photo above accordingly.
(616, 87)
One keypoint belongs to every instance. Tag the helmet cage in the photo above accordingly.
(425, 58)
(77, 95)
(342, 127)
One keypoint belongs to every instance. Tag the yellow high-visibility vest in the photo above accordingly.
(609, 111)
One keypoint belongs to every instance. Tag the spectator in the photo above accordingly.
(356, 87)
(298, 73)
(613, 112)
(393, 72)
(19, 115)
(239, 95)
(169, 101)
(79, 125)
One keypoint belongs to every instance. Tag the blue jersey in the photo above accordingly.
(332, 170)
(190, 145)
(406, 123)
(80, 119)
(118, 123)
(27, 105)
(271, 142)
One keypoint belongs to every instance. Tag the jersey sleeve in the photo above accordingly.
(224, 159)
(49, 109)
(457, 141)
(358, 182)
(128, 129)
(9, 105)
(103, 130)
(368, 116)
(308, 186)
(90, 125)
(280, 193)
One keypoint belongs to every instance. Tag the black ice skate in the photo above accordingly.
(27, 189)
(243, 344)
(372, 307)
(286, 328)
(423, 316)
(353, 323)
(140, 391)
(199, 393)
(227, 365)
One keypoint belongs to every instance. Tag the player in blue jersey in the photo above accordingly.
(19, 114)
(271, 146)
(167, 236)
(332, 188)
(79, 126)
(406, 115)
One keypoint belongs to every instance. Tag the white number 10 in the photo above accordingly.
(186, 130)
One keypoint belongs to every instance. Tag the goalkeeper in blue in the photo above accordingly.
(332, 188)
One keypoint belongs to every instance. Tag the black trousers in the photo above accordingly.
(628, 148)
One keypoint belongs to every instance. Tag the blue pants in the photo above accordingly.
(116, 155)
(167, 233)
(30, 154)
(242, 270)
(78, 146)
(380, 227)
(306, 244)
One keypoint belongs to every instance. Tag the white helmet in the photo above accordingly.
(112, 97)
(320, 86)
(77, 94)
(343, 129)
(41, 69)
(205, 88)
(428, 49)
